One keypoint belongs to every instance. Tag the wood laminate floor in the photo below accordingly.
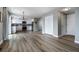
(36, 42)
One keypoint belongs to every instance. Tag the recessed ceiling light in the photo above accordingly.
(66, 9)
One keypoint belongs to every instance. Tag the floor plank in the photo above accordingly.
(37, 42)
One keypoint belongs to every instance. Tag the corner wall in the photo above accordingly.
(77, 26)
(50, 24)
(71, 24)
(1, 27)
(55, 24)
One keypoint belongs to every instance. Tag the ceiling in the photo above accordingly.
(31, 11)
(70, 11)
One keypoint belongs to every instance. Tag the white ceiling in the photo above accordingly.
(31, 11)
(70, 11)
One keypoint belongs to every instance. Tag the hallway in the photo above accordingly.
(37, 42)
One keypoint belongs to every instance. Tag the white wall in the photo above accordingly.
(16, 21)
(77, 25)
(43, 24)
(1, 24)
(0, 31)
(1, 39)
(49, 24)
(71, 24)
(62, 24)
(9, 25)
(55, 24)
(1, 28)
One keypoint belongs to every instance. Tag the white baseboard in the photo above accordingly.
(55, 35)
(1, 41)
(77, 42)
(52, 34)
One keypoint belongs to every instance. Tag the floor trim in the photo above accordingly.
(77, 42)
(1, 41)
